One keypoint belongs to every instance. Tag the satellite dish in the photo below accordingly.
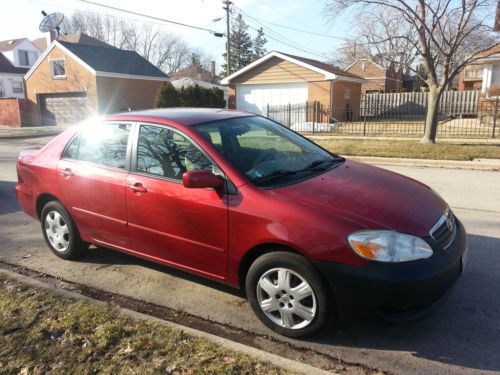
(51, 22)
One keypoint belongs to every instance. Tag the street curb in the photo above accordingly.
(493, 141)
(28, 136)
(475, 164)
(284, 363)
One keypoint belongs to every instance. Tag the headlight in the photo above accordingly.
(388, 246)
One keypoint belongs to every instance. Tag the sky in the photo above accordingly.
(20, 18)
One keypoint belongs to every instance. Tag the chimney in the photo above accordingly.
(51, 36)
(212, 71)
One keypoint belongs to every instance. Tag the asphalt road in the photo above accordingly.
(463, 337)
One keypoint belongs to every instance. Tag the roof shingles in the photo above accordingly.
(318, 64)
(114, 60)
(7, 45)
(7, 67)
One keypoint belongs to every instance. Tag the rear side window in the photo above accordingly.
(105, 145)
(163, 152)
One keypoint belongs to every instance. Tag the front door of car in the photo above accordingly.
(186, 228)
(92, 174)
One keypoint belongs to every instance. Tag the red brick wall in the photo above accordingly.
(9, 112)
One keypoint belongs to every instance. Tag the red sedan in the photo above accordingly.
(243, 200)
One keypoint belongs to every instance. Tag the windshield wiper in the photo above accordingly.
(321, 164)
(316, 165)
(275, 174)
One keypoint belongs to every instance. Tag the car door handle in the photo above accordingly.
(66, 172)
(138, 188)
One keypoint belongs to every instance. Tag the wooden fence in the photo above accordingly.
(414, 104)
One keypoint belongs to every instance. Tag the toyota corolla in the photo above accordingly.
(245, 201)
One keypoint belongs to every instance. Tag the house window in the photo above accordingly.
(17, 87)
(347, 94)
(2, 91)
(58, 68)
(27, 58)
(474, 72)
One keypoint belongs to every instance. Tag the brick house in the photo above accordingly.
(72, 81)
(279, 79)
(378, 78)
(484, 74)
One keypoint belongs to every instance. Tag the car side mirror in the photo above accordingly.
(201, 179)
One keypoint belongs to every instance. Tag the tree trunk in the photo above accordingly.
(431, 119)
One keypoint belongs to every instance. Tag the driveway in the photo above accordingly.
(463, 337)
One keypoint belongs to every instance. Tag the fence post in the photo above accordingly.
(267, 114)
(364, 122)
(314, 115)
(289, 115)
(495, 113)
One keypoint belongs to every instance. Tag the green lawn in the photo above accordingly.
(42, 332)
(409, 149)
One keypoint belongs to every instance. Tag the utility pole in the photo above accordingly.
(227, 8)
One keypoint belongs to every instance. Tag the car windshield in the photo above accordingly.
(268, 153)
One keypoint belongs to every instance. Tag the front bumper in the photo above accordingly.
(397, 286)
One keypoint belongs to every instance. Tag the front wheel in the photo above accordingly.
(287, 295)
(60, 232)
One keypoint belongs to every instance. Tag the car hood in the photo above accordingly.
(371, 197)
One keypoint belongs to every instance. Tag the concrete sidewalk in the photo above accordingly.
(7, 132)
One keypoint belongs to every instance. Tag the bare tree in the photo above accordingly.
(349, 52)
(388, 37)
(448, 35)
(166, 51)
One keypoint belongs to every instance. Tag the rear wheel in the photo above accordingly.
(60, 231)
(287, 295)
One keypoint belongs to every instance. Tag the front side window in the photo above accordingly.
(166, 153)
(104, 144)
(58, 68)
(267, 153)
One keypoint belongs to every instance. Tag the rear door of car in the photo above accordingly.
(92, 174)
(187, 228)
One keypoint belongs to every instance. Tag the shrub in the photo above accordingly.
(167, 96)
(494, 90)
(190, 96)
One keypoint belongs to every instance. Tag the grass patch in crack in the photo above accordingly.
(43, 332)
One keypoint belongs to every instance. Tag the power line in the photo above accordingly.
(280, 38)
(290, 45)
(303, 31)
(215, 33)
(267, 5)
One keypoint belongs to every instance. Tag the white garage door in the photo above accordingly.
(255, 98)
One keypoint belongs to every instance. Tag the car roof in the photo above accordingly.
(184, 116)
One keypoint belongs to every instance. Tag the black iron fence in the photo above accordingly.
(403, 121)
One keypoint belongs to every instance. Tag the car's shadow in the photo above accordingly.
(8, 201)
(463, 332)
(105, 257)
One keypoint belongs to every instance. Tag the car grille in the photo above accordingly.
(443, 232)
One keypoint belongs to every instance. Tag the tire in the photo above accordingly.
(60, 232)
(279, 272)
